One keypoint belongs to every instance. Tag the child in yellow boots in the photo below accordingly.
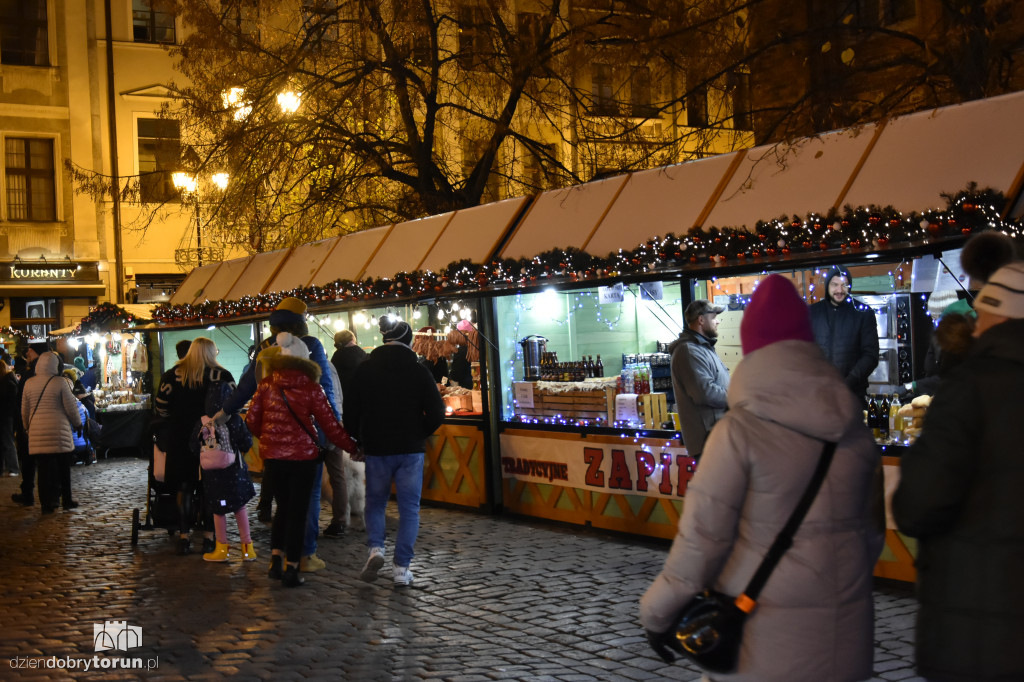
(226, 483)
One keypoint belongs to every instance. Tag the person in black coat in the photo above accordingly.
(394, 405)
(959, 494)
(346, 358)
(844, 329)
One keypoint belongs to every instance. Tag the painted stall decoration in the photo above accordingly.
(632, 485)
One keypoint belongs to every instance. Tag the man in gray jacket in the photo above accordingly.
(700, 380)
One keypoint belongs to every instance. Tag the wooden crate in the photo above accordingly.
(578, 404)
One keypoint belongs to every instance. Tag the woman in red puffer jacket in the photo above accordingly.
(288, 399)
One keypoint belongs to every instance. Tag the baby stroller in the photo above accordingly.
(161, 506)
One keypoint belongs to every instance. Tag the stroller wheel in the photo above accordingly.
(135, 526)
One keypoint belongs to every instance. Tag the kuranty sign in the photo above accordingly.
(20, 272)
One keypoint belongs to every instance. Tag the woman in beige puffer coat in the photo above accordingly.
(814, 618)
(49, 411)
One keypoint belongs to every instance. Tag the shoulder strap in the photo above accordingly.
(285, 399)
(785, 537)
(38, 400)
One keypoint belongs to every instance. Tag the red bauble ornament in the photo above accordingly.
(965, 230)
(882, 241)
(824, 246)
(806, 244)
(855, 244)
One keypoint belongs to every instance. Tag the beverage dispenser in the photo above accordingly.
(534, 347)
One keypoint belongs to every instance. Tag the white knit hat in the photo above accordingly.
(292, 345)
(1004, 292)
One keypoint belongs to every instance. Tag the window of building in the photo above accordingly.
(899, 10)
(37, 317)
(152, 21)
(602, 91)
(23, 36)
(475, 48)
(159, 142)
(739, 84)
(697, 104)
(537, 166)
(320, 20)
(30, 179)
(641, 99)
(242, 18)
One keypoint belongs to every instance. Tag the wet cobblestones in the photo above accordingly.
(494, 599)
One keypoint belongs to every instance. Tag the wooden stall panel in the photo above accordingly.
(453, 468)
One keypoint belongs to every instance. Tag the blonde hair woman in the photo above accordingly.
(179, 405)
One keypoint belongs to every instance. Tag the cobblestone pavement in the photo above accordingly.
(494, 599)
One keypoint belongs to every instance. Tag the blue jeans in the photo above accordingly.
(313, 517)
(407, 473)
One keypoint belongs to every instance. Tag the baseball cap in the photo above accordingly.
(700, 307)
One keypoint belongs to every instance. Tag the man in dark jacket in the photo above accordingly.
(26, 461)
(392, 408)
(346, 358)
(700, 380)
(959, 494)
(845, 331)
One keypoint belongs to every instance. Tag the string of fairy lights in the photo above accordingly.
(840, 234)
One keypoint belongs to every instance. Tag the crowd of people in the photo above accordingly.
(797, 392)
(45, 411)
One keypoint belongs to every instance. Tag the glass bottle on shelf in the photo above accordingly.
(873, 416)
(599, 367)
(895, 420)
(883, 417)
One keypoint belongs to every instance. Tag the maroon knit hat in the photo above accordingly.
(775, 313)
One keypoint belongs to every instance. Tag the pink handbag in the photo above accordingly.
(211, 454)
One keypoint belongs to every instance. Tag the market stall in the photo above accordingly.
(115, 342)
(603, 271)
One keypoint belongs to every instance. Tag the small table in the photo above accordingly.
(125, 429)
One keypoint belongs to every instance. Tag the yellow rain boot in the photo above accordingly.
(248, 552)
(219, 553)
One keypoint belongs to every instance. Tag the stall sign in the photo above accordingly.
(628, 468)
(612, 294)
(652, 291)
(523, 393)
(55, 272)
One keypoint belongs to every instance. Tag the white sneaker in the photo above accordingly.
(402, 575)
(373, 564)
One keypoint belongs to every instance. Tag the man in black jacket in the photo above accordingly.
(960, 495)
(391, 409)
(845, 330)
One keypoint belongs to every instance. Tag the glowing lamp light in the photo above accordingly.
(339, 324)
(289, 101)
(186, 182)
(220, 180)
(359, 318)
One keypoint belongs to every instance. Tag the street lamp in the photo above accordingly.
(188, 185)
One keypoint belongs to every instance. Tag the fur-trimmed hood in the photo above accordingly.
(272, 362)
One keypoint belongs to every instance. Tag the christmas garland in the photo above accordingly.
(105, 315)
(862, 229)
(16, 334)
